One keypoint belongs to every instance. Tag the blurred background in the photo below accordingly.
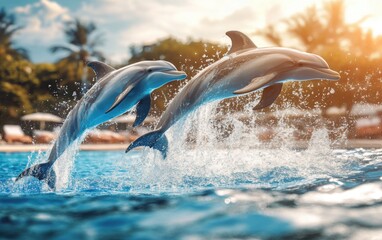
(44, 45)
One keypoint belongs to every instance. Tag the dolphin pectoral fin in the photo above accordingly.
(269, 96)
(143, 109)
(239, 41)
(125, 92)
(100, 69)
(256, 83)
(120, 97)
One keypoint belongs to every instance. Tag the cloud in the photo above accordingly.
(126, 22)
(52, 10)
(136, 22)
(243, 19)
(42, 22)
(23, 9)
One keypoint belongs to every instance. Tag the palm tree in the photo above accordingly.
(7, 30)
(271, 34)
(347, 47)
(82, 44)
(308, 28)
(319, 30)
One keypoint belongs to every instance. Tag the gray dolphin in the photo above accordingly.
(244, 69)
(114, 93)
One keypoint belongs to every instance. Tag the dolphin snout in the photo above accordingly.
(318, 68)
(330, 74)
(321, 61)
(176, 73)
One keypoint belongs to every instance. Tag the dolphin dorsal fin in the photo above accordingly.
(239, 41)
(100, 69)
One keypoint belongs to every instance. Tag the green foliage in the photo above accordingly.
(17, 83)
(82, 46)
(355, 53)
(16, 73)
(46, 94)
(7, 30)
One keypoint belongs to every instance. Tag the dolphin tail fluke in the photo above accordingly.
(43, 171)
(162, 145)
(155, 139)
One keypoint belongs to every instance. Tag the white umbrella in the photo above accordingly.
(295, 112)
(42, 118)
(336, 111)
(129, 119)
(366, 109)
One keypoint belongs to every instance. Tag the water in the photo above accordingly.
(220, 181)
(258, 193)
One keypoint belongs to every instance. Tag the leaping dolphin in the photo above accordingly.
(244, 69)
(114, 93)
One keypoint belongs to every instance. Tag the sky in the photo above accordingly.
(123, 23)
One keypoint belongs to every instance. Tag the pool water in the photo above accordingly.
(203, 193)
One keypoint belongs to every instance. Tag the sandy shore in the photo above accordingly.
(354, 143)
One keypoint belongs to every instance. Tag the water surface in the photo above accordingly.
(316, 193)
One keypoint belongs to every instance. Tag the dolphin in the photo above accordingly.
(244, 69)
(114, 93)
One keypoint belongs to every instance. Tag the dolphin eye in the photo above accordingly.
(149, 70)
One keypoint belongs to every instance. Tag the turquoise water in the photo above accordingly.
(221, 193)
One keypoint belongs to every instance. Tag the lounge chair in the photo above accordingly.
(133, 134)
(41, 136)
(14, 134)
(105, 136)
(370, 127)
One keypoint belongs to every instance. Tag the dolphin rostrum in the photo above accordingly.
(244, 69)
(114, 93)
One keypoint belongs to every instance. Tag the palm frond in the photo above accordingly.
(57, 48)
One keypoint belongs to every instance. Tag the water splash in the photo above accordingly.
(200, 157)
(64, 165)
(212, 148)
(63, 169)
